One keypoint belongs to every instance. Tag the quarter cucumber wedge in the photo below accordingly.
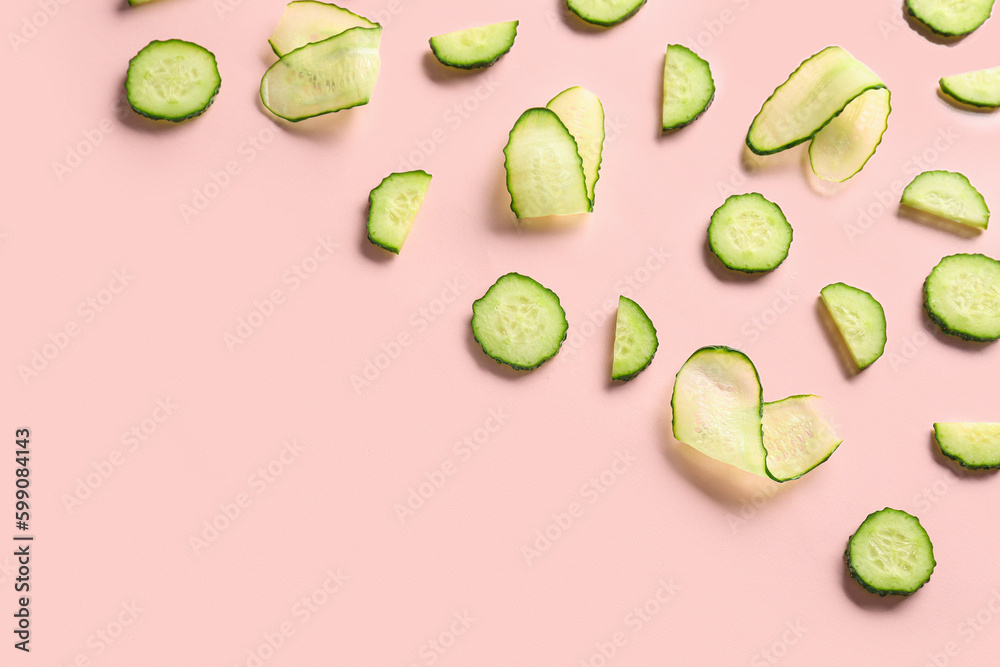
(172, 80)
(947, 195)
(393, 206)
(749, 233)
(814, 94)
(962, 296)
(605, 12)
(519, 322)
(307, 21)
(635, 341)
(860, 320)
(845, 144)
(688, 87)
(582, 113)
(717, 407)
(474, 47)
(951, 18)
(891, 553)
(323, 77)
(545, 174)
(979, 89)
(798, 436)
(975, 445)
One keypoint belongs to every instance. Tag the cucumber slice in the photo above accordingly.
(474, 47)
(717, 407)
(635, 341)
(519, 322)
(393, 206)
(544, 169)
(172, 80)
(951, 18)
(891, 553)
(307, 21)
(815, 93)
(980, 88)
(605, 12)
(134, 3)
(688, 87)
(323, 77)
(749, 233)
(798, 436)
(582, 113)
(845, 144)
(860, 320)
(962, 296)
(974, 445)
(947, 195)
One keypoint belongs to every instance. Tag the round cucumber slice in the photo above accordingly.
(891, 553)
(519, 322)
(749, 233)
(474, 48)
(172, 80)
(962, 296)
(974, 445)
(951, 18)
(635, 341)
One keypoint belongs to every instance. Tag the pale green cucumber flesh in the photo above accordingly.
(476, 47)
(544, 168)
(974, 445)
(635, 341)
(393, 206)
(962, 296)
(519, 322)
(951, 18)
(819, 89)
(859, 318)
(323, 77)
(688, 87)
(307, 21)
(172, 80)
(891, 553)
(980, 88)
(845, 144)
(582, 113)
(717, 406)
(605, 12)
(947, 195)
(799, 435)
(749, 233)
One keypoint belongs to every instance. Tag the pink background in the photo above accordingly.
(739, 570)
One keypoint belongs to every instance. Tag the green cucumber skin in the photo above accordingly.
(779, 149)
(711, 79)
(942, 324)
(482, 64)
(175, 119)
(505, 362)
(864, 584)
(728, 264)
(631, 376)
(607, 24)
